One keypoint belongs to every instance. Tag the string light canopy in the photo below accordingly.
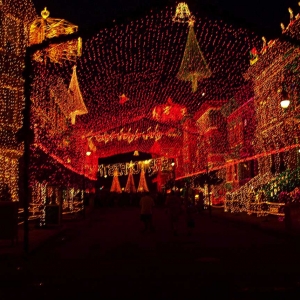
(193, 66)
(125, 75)
(140, 61)
(169, 112)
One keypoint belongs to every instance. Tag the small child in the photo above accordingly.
(190, 221)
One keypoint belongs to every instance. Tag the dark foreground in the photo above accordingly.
(106, 256)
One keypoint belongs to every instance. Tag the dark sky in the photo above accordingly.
(262, 16)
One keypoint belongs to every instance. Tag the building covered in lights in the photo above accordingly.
(272, 148)
(15, 17)
(249, 140)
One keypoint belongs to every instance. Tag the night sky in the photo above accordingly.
(263, 17)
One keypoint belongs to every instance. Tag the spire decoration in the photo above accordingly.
(70, 99)
(193, 66)
(77, 105)
(115, 186)
(169, 112)
(143, 187)
(182, 13)
(130, 186)
(291, 14)
(46, 28)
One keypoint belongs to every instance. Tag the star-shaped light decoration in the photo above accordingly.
(123, 99)
(131, 165)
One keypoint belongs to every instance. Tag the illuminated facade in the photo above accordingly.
(248, 139)
(273, 158)
(14, 19)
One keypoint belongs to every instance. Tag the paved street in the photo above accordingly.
(106, 255)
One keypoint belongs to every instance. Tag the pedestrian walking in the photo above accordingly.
(146, 204)
(174, 209)
(190, 216)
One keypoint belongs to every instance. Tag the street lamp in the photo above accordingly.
(285, 102)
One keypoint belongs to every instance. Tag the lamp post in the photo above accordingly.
(173, 174)
(85, 200)
(288, 105)
(207, 182)
(285, 101)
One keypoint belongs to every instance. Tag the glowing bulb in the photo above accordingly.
(285, 103)
(88, 153)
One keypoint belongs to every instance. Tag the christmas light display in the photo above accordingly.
(230, 121)
(169, 112)
(46, 28)
(139, 61)
(130, 186)
(77, 106)
(115, 186)
(14, 18)
(193, 66)
(182, 13)
(142, 187)
(150, 166)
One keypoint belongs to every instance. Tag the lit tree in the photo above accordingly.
(143, 183)
(130, 187)
(115, 186)
(193, 66)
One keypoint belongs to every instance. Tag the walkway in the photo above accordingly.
(107, 256)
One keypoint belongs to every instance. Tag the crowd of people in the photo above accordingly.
(176, 207)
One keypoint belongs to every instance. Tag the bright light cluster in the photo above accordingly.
(14, 17)
(46, 28)
(275, 137)
(141, 60)
(224, 113)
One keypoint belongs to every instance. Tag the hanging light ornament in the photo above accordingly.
(46, 28)
(115, 186)
(193, 66)
(130, 186)
(77, 104)
(70, 101)
(169, 112)
(182, 13)
(142, 187)
(123, 99)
